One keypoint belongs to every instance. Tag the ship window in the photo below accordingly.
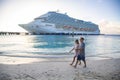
(37, 26)
(48, 25)
(41, 19)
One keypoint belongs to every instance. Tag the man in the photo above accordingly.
(81, 55)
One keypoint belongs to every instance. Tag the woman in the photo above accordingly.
(76, 49)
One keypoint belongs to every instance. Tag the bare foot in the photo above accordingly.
(74, 66)
(71, 64)
(84, 66)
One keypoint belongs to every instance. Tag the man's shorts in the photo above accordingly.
(81, 57)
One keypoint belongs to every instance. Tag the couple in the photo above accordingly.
(79, 52)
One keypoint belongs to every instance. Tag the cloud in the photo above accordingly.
(109, 27)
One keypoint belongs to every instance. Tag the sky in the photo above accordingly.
(105, 13)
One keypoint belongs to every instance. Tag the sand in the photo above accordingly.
(30, 68)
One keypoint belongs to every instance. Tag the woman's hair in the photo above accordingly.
(77, 41)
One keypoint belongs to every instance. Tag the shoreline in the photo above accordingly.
(58, 69)
(19, 58)
(28, 58)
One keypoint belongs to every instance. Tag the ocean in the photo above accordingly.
(97, 46)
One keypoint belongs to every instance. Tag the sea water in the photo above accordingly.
(96, 45)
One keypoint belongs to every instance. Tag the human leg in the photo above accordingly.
(80, 62)
(78, 59)
(76, 63)
(73, 60)
(83, 59)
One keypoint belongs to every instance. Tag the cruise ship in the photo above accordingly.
(59, 23)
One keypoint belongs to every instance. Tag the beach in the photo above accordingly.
(36, 68)
(46, 57)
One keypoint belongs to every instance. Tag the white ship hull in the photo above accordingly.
(46, 29)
